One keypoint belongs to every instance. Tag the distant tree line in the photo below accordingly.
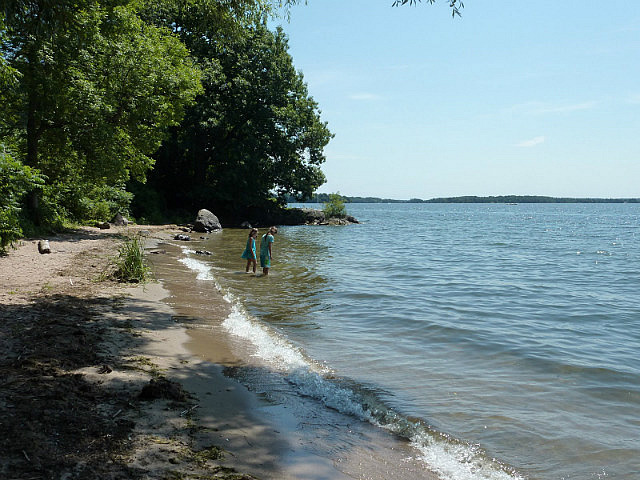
(325, 197)
(529, 199)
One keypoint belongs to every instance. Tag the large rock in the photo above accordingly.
(206, 222)
(304, 216)
(119, 221)
(313, 216)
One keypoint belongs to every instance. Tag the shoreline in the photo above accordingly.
(196, 421)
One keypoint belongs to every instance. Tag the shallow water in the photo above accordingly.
(499, 340)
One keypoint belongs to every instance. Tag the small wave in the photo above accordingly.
(275, 350)
(202, 270)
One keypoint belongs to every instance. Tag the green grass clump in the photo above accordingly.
(130, 264)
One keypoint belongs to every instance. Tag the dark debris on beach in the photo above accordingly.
(56, 424)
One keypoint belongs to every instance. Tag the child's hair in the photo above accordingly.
(253, 230)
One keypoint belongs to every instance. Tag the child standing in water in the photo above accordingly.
(250, 250)
(265, 250)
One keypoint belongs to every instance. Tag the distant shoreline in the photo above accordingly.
(324, 197)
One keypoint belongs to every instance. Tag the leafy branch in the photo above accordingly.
(455, 5)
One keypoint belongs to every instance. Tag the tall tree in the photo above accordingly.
(97, 90)
(254, 134)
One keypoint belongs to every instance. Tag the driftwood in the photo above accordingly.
(43, 246)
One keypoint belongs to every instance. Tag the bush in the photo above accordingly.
(335, 208)
(16, 181)
(96, 203)
(130, 264)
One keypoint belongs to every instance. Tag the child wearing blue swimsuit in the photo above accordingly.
(250, 250)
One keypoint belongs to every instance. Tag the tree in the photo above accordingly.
(97, 90)
(334, 206)
(254, 134)
(16, 180)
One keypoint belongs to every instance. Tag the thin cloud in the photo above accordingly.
(531, 143)
(569, 108)
(541, 108)
(321, 76)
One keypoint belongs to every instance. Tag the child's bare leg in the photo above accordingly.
(248, 263)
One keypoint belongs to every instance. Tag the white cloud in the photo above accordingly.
(541, 108)
(322, 77)
(568, 108)
(531, 143)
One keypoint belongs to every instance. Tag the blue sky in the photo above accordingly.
(515, 97)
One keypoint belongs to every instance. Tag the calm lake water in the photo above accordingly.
(500, 340)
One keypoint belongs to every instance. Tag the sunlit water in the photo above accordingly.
(500, 340)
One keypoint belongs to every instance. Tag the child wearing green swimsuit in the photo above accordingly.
(265, 250)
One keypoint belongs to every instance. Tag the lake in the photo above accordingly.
(500, 340)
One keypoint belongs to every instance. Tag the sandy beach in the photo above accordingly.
(101, 381)
(92, 373)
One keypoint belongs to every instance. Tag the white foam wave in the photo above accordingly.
(270, 348)
(201, 268)
(458, 461)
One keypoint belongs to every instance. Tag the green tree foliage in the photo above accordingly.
(16, 181)
(455, 5)
(97, 89)
(254, 134)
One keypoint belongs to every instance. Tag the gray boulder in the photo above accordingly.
(313, 216)
(206, 222)
(119, 220)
